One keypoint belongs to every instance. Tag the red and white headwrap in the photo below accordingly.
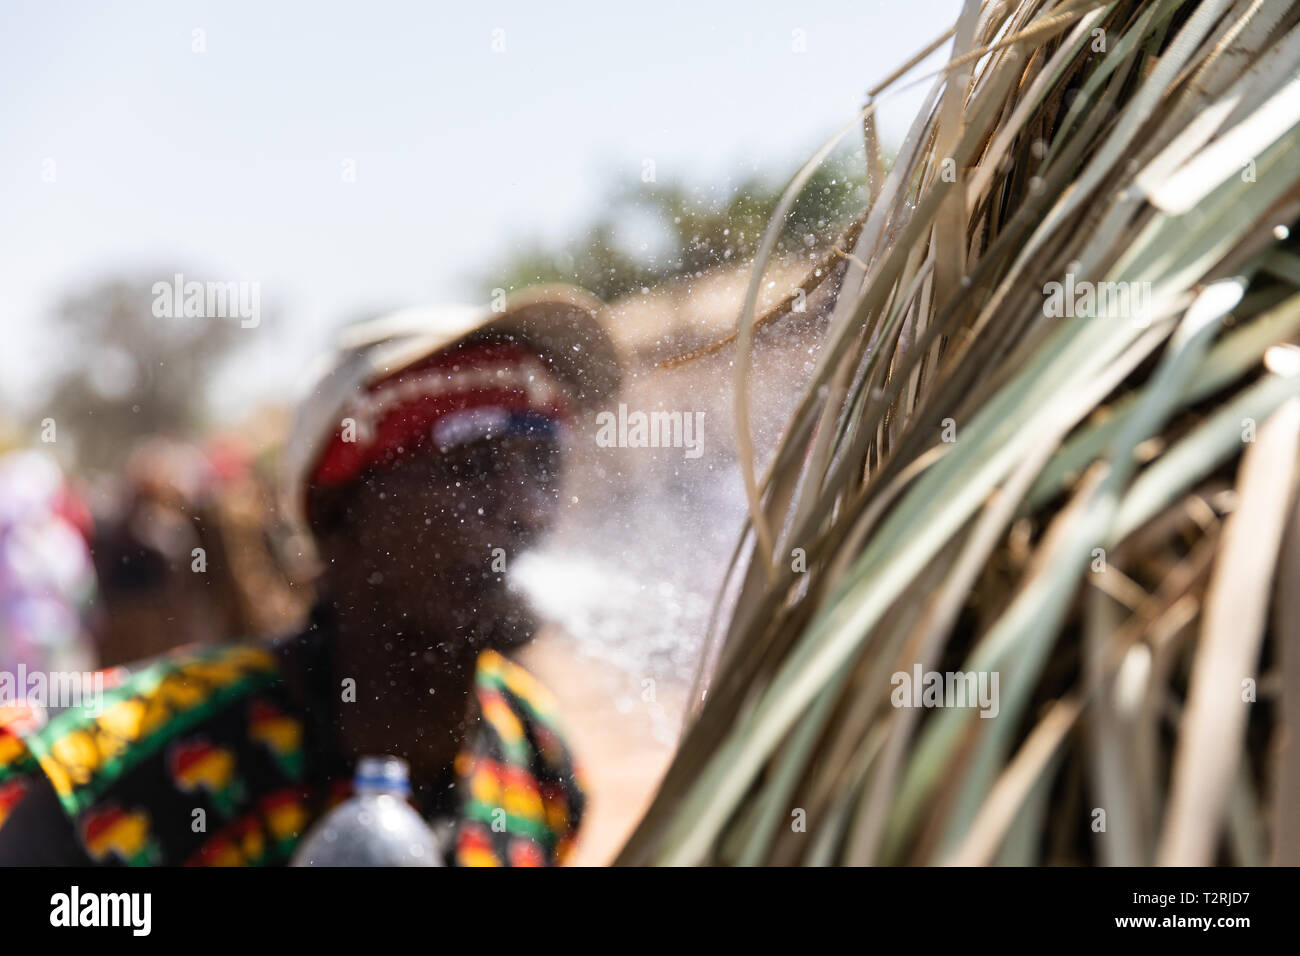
(443, 375)
(475, 390)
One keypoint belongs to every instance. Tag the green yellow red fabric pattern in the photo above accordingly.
(200, 759)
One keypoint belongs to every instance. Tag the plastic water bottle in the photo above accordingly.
(375, 826)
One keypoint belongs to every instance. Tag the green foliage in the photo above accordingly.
(695, 230)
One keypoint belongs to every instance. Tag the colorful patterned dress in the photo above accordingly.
(201, 759)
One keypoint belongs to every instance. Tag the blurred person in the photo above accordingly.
(185, 556)
(47, 581)
(145, 554)
(240, 530)
(426, 454)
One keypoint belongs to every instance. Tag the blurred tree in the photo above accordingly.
(129, 373)
(692, 230)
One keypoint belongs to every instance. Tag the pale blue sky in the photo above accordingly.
(226, 164)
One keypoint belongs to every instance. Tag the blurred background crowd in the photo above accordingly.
(178, 547)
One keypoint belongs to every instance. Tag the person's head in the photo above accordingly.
(455, 480)
(444, 466)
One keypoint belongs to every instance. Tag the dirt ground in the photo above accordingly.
(622, 741)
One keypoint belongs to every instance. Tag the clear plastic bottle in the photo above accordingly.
(375, 826)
